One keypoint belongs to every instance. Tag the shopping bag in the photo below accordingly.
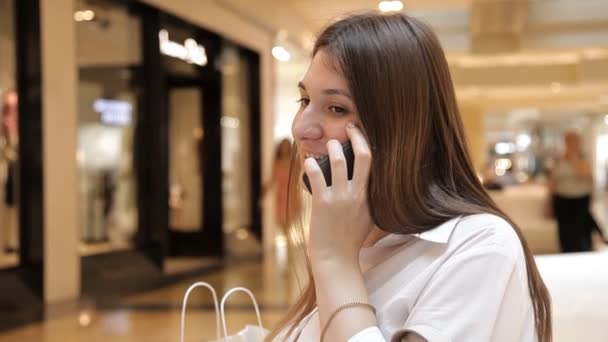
(250, 333)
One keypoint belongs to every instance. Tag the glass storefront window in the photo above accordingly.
(185, 181)
(109, 57)
(236, 157)
(9, 139)
(182, 56)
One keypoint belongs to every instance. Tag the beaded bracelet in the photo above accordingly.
(342, 307)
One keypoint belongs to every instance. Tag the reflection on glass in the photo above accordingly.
(186, 133)
(9, 140)
(109, 57)
(236, 159)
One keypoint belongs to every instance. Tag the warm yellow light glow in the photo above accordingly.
(390, 6)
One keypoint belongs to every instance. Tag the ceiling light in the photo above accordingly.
(86, 15)
(523, 141)
(504, 148)
(390, 6)
(84, 319)
(503, 163)
(281, 54)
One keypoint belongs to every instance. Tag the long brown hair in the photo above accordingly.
(421, 174)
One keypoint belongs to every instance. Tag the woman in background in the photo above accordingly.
(571, 186)
(280, 182)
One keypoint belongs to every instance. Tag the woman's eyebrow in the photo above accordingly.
(328, 91)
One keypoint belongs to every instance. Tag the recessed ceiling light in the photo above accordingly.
(281, 54)
(86, 15)
(390, 6)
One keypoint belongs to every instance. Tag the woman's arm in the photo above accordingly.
(338, 283)
(340, 222)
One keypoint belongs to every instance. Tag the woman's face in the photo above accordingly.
(326, 107)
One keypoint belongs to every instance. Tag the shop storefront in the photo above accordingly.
(168, 142)
(167, 151)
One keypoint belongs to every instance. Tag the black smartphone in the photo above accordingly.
(324, 164)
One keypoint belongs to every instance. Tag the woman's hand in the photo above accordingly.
(340, 219)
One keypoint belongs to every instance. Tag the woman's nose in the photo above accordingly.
(306, 127)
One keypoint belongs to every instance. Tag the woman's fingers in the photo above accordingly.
(363, 156)
(315, 176)
(338, 165)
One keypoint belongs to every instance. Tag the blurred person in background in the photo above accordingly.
(9, 156)
(280, 182)
(411, 248)
(570, 187)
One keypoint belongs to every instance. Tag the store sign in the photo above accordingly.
(113, 112)
(189, 52)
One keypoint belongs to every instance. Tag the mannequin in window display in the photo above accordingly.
(8, 161)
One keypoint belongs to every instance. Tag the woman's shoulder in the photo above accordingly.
(486, 231)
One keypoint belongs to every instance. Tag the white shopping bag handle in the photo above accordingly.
(255, 305)
(185, 302)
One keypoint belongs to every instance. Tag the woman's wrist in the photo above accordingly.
(332, 265)
(341, 281)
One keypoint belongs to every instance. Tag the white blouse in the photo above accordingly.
(568, 183)
(464, 280)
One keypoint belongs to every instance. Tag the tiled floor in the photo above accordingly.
(155, 315)
(578, 285)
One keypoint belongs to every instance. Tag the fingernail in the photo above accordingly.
(350, 125)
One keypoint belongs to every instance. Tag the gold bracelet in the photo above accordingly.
(342, 307)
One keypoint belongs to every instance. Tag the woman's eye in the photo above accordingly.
(338, 110)
(303, 102)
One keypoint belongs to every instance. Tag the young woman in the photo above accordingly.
(280, 182)
(571, 187)
(412, 248)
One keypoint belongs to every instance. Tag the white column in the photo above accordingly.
(59, 117)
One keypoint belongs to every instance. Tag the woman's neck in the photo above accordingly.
(374, 236)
